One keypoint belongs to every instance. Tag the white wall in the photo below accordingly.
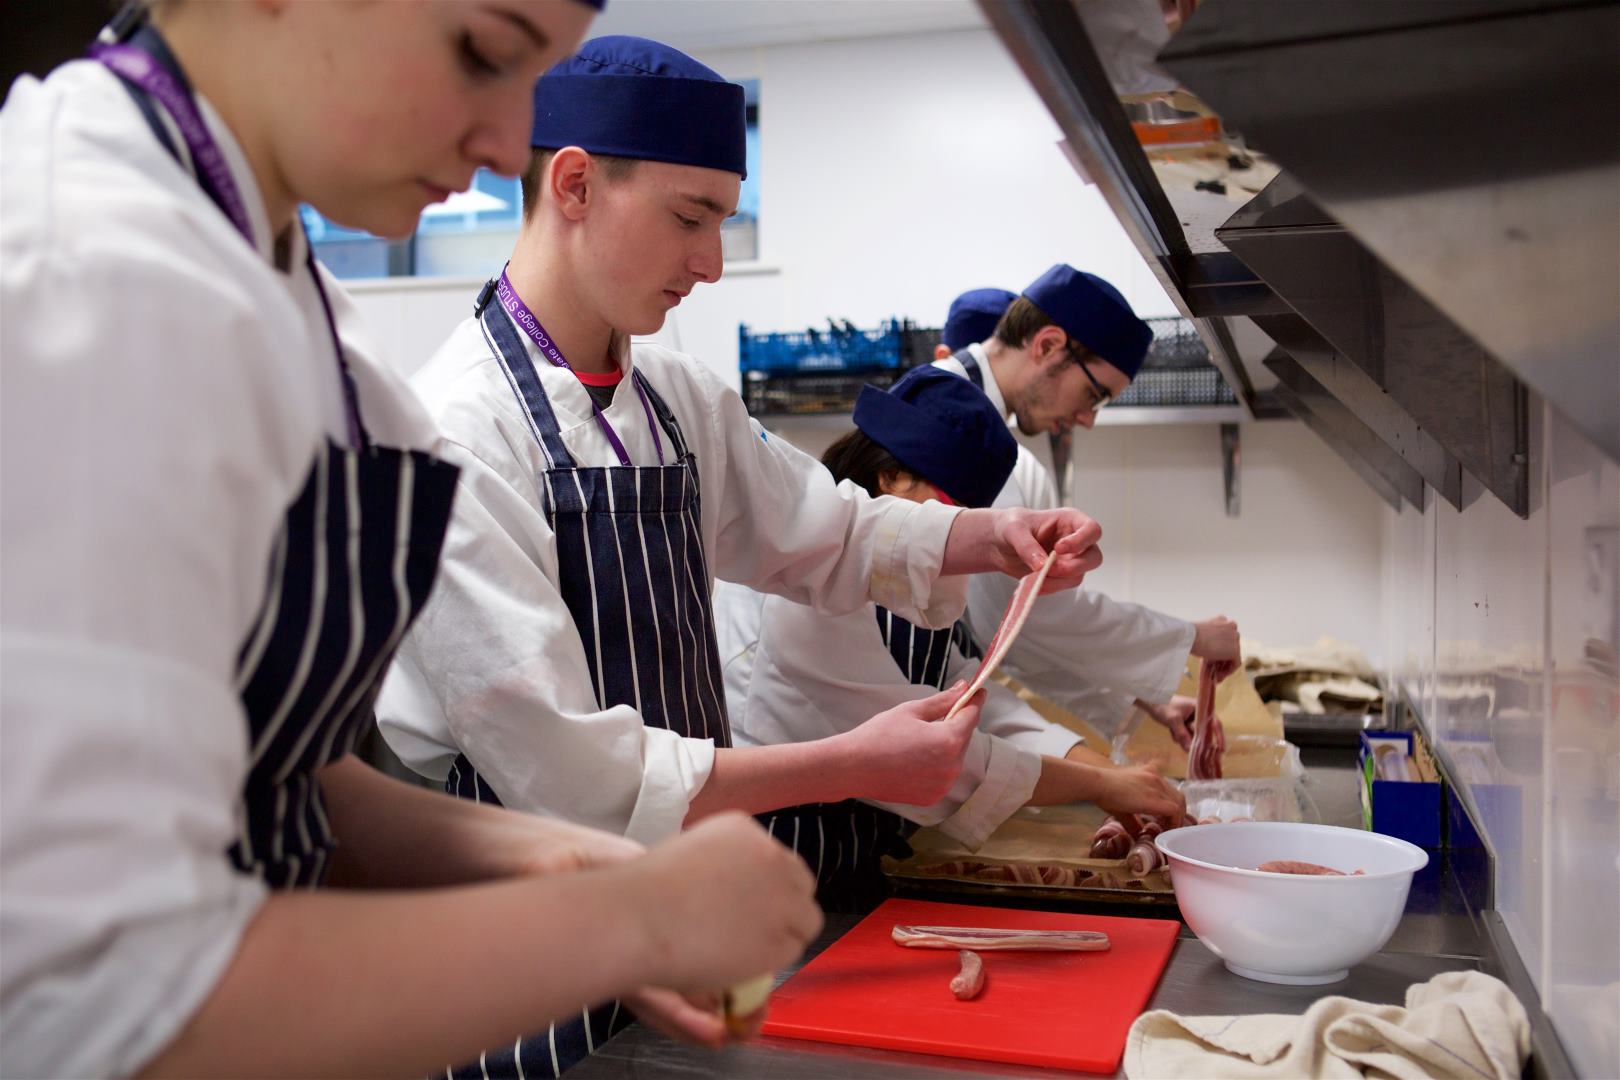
(898, 172)
(1503, 633)
(1301, 561)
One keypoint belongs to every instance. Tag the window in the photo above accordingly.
(739, 238)
(471, 233)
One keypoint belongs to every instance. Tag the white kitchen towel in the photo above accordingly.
(1458, 1024)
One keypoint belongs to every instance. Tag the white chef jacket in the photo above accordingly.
(494, 667)
(796, 675)
(1080, 649)
(165, 393)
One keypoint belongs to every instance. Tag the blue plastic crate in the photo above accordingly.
(836, 349)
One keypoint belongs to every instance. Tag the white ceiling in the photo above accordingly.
(698, 25)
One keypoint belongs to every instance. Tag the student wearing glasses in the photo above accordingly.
(1062, 350)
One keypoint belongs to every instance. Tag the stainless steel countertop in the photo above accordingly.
(1437, 934)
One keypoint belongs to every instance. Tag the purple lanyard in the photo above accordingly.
(145, 71)
(515, 307)
(140, 68)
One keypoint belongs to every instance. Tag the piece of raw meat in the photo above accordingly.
(1294, 866)
(1012, 621)
(967, 983)
(1112, 840)
(993, 940)
(1133, 839)
(1209, 739)
(1144, 857)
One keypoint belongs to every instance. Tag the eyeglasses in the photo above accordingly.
(1100, 394)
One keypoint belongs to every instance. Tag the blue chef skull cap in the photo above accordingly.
(943, 428)
(634, 98)
(973, 316)
(1094, 314)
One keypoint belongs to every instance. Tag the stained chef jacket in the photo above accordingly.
(793, 675)
(1080, 649)
(166, 391)
(494, 668)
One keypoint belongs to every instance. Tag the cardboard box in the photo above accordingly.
(1401, 792)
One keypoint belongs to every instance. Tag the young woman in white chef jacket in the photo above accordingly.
(220, 514)
(1050, 359)
(931, 437)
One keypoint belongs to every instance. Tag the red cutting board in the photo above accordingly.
(1066, 1010)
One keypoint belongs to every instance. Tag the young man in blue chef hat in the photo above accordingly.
(972, 317)
(1055, 355)
(566, 663)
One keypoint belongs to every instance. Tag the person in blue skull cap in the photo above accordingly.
(932, 437)
(566, 663)
(972, 317)
(1061, 351)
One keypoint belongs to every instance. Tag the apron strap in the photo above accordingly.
(966, 358)
(504, 342)
(130, 31)
(666, 417)
(508, 348)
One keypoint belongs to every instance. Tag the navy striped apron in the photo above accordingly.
(843, 843)
(351, 566)
(635, 579)
(969, 362)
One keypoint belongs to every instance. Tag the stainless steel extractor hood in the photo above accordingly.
(1404, 369)
(1472, 146)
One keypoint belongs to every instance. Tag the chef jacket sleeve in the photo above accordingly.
(817, 675)
(142, 496)
(494, 666)
(786, 528)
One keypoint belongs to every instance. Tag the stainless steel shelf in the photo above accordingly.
(1126, 416)
(1050, 44)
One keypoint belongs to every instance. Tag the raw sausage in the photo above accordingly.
(967, 983)
(1294, 866)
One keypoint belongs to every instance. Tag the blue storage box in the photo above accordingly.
(839, 348)
(1400, 788)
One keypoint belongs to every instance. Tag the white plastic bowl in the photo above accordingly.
(1290, 928)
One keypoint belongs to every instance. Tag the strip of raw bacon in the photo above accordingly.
(967, 983)
(1012, 621)
(990, 940)
(1209, 739)
(1294, 866)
